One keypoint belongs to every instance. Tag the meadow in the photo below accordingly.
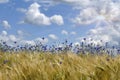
(63, 66)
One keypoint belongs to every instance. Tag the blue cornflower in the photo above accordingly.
(60, 62)
(15, 42)
(4, 42)
(84, 39)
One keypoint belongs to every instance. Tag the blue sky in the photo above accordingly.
(57, 20)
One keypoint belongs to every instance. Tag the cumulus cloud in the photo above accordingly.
(10, 38)
(57, 19)
(108, 13)
(34, 41)
(76, 44)
(13, 38)
(45, 3)
(43, 41)
(77, 4)
(106, 18)
(64, 32)
(3, 36)
(86, 16)
(105, 14)
(4, 33)
(106, 34)
(53, 36)
(73, 33)
(19, 32)
(5, 24)
(4, 1)
(36, 17)
(28, 42)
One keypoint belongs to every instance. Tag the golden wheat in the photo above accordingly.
(68, 66)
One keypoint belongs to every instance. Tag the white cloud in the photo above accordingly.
(106, 34)
(19, 32)
(77, 4)
(36, 17)
(86, 16)
(57, 19)
(52, 36)
(4, 33)
(21, 10)
(106, 18)
(8, 38)
(64, 32)
(4, 1)
(76, 44)
(45, 3)
(73, 33)
(43, 41)
(13, 38)
(28, 42)
(5, 24)
(108, 12)
(4, 37)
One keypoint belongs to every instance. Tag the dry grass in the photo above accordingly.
(69, 66)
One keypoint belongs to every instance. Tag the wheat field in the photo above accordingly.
(64, 66)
